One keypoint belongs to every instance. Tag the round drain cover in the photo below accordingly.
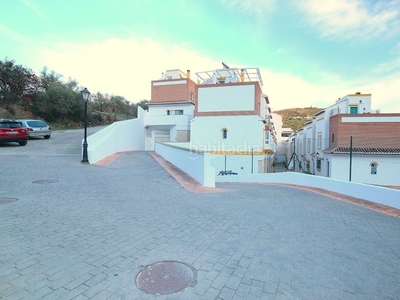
(4, 200)
(166, 277)
(45, 181)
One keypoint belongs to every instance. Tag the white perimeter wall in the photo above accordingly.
(117, 137)
(361, 169)
(386, 196)
(196, 164)
(241, 164)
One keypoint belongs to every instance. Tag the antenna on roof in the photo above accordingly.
(225, 66)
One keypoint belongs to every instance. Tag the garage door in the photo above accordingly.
(161, 137)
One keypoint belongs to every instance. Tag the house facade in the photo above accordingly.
(170, 109)
(233, 121)
(349, 141)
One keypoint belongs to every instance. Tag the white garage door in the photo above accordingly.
(161, 136)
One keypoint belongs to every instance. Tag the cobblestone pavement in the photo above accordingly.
(76, 231)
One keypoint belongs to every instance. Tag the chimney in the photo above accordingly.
(188, 74)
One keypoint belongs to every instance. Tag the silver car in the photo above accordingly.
(36, 128)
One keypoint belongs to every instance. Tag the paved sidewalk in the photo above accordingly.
(76, 231)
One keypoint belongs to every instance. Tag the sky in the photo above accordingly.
(309, 52)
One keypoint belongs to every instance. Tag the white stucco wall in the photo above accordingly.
(226, 98)
(244, 133)
(342, 105)
(361, 169)
(196, 164)
(277, 119)
(386, 196)
(117, 137)
(241, 164)
(161, 109)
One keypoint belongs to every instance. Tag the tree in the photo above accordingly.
(17, 81)
(48, 79)
(59, 102)
(100, 102)
(143, 104)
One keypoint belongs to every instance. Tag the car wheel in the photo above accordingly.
(47, 137)
(22, 143)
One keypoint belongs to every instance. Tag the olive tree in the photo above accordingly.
(17, 81)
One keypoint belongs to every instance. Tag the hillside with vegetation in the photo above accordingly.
(24, 94)
(295, 118)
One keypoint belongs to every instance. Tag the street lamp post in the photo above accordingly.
(86, 96)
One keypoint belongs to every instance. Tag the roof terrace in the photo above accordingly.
(229, 75)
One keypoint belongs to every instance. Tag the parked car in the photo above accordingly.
(36, 128)
(13, 131)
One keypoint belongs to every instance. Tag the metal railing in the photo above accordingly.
(363, 159)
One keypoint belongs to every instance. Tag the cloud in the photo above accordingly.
(346, 20)
(385, 94)
(287, 91)
(390, 66)
(34, 8)
(258, 8)
(122, 67)
(12, 34)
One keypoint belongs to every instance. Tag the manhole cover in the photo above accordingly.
(4, 200)
(45, 181)
(166, 277)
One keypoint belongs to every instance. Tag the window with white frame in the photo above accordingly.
(308, 145)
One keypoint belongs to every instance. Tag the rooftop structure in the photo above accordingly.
(229, 75)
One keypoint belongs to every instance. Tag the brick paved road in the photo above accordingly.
(88, 235)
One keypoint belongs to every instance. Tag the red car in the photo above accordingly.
(12, 131)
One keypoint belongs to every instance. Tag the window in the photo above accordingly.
(267, 136)
(353, 109)
(168, 112)
(308, 145)
(179, 112)
(191, 96)
(319, 140)
(319, 164)
(333, 138)
(224, 133)
(374, 167)
(308, 165)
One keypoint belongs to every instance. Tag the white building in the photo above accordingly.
(349, 141)
(233, 121)
(225, 114)
(170, 109)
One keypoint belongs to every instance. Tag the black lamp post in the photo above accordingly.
(86, 96)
